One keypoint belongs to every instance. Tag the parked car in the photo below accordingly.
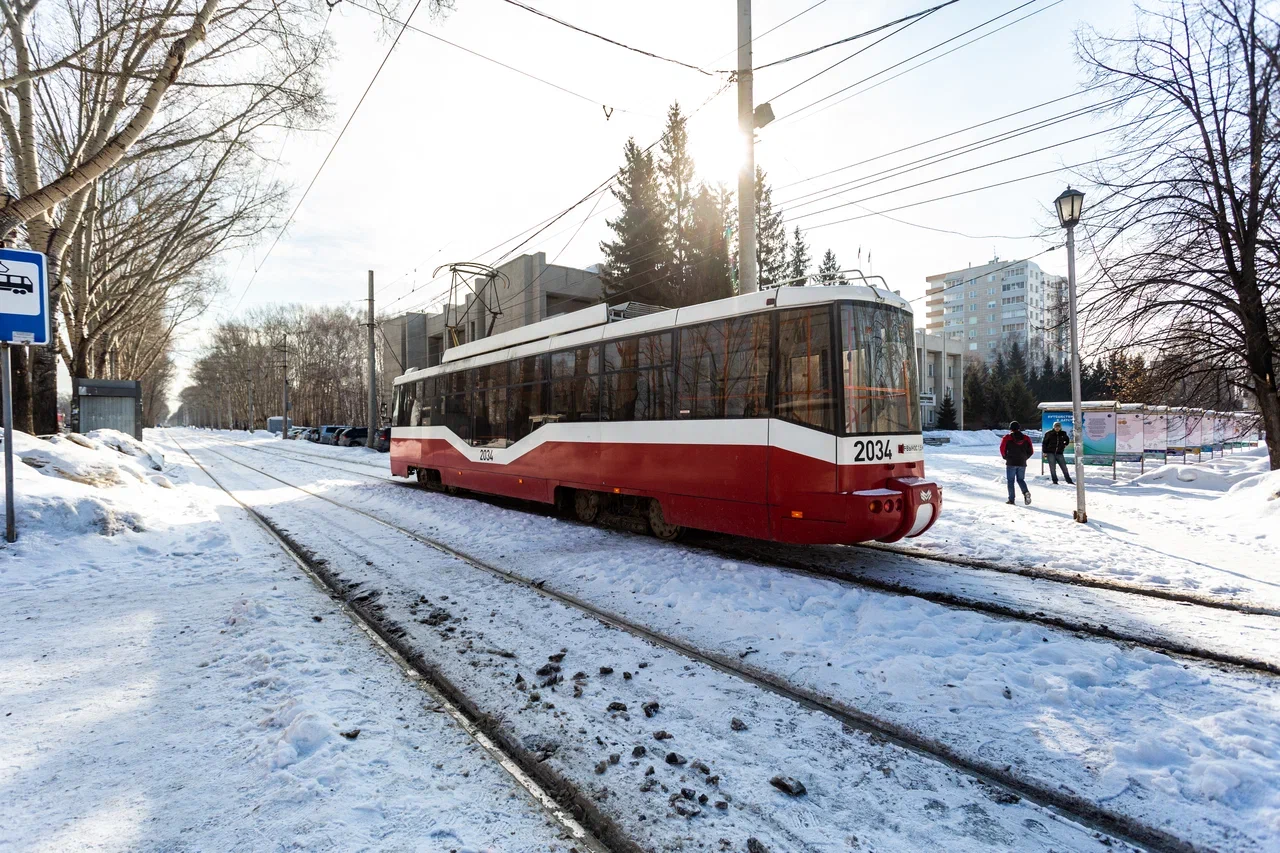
(382, 441)
(312, 434)
(353, 437)
(329, 433)
(305, 434)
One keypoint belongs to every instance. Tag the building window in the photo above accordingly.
(973, 333)
(991, 344)
(930, 374)
(973, 346)
(991, 330)
(991, 304)
(973, 294)
(951, 371)
(973, 321)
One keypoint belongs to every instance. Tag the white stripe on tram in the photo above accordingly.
(742, 432)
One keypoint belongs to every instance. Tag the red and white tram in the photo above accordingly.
(788, 414)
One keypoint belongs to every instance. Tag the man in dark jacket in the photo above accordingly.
(1016, 449)
(1054, 448)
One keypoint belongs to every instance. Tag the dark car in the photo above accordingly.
(382, 440)
(353, 437)
(329, 433)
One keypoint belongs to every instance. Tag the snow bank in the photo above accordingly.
(1256, 497)
(129, 446)
(968, 437)
(1187, 476)
(65, 483)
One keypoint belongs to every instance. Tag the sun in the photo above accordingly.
(718, 153)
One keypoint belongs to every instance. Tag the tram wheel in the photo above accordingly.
(586, 505)
(658, 524)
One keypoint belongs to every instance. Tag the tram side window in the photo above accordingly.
(724, 369)
(489, 405)
(404, 403)
(429, 401)
(638, 379)
(805, 391)
(524, 396)
(575, 384)
(457, 403)
(879, 366)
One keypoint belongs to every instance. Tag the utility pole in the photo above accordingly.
(748, 272)
(371, 440)
(251, 413)
(284, 388)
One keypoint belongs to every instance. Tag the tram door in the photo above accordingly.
(802, 440)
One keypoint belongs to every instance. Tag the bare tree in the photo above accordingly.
(1185, 231)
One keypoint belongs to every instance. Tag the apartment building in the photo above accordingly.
(984, 310)
(941, 373)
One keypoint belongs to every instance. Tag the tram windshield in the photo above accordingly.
(879, 369)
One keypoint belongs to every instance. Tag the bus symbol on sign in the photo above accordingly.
(24, 298)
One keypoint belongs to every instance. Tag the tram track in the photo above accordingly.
(568, 807)
(836, 569)
(1119, 826)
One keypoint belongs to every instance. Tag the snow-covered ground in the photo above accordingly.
(169, 681)
(1211, 527)
(1191, 749)
(169, 686)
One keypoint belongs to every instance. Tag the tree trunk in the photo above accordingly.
(1269, 406)
(44, 385)
(21, 390)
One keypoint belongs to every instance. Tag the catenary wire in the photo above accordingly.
(921, 64)
(921, 14)
(910, 23)
(614, 42)
(325, 161)
(913, 56)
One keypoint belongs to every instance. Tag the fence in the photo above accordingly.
(1135, 432)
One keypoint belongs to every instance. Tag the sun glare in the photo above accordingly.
(717, 154)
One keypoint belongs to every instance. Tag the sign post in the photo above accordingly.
(24, 319)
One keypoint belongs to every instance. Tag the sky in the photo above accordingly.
(451, 155)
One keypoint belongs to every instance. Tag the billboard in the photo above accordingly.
(1130, 443)
(1048, 419)
(1195, 434)
(1099, 438)
(1155, 436)
(1177, 447)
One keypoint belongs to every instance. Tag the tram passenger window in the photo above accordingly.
(638, 378)
(724, 369)
(879, 367)
(575, 384)
(489, 405)
(457, 404)
(804, 368)
(429, 401)
(524, 398)
(404, 402)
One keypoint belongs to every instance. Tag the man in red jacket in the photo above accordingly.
(1016, 449)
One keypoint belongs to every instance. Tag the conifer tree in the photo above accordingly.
(708, 249)
(1020, 402)
(633, 267)
(977, 378)
(678, 192)
(771, 236)
(798, 272)
(1017, 361)
(947, 413)
(829, 270)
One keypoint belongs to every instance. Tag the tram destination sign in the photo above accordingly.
(24, 298)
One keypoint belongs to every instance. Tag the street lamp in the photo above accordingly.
(1069, 205)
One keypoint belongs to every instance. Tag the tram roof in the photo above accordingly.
(590, 325)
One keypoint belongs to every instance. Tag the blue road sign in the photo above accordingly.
(24, 298)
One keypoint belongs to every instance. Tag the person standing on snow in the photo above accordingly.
(1054, 447)
(1016, 449)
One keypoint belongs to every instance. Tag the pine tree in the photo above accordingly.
(633, 261)
(798, 273)
(829, 270)
(771, 236)
(709, 249)
(677, 191)
(947, 413)
(1017, 361)
(1021, 402)
(977, 378)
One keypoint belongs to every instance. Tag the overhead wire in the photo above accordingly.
(373, 10)
(911, 22)
(924, 13)
(614, 42)
(913, 56)
(325, 161)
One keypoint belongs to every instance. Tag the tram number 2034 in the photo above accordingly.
(872, 450)
(486, 455)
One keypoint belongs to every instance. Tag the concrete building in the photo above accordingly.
(990, 307)
(940, 373)
(537, 290)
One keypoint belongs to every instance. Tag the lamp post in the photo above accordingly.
(1069, 205)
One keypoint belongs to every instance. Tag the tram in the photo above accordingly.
(790, 415)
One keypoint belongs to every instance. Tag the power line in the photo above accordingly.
(373, 10)
(614, 42)
(921, 64)
(910, 23)
(913, 56)
(940, 137)
(980, 166)
(915, 15)
(324, 162)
